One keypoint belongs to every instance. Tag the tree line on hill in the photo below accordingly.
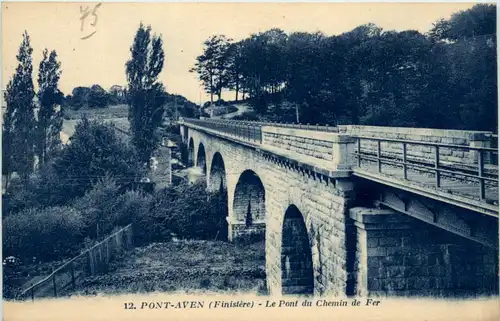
(446, 78)
(95, 97)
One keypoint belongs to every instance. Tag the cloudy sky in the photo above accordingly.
(100, 59)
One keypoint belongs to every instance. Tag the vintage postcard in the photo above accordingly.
(270, 161)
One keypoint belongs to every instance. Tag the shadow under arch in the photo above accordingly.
(296, 256)
(201, 159)
(190, 162)
(217, 173)
(249, 208)
(218, 189)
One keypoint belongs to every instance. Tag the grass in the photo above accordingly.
(115, 111)
(113, 114)
(185, 266)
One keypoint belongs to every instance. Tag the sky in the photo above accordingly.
(100, 59)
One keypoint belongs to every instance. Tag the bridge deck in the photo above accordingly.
(473, 186)
(460, 191)
(453, 185)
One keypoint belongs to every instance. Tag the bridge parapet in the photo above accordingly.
(327, 150)
(451, 141)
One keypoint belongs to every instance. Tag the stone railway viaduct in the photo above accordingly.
(358, 210)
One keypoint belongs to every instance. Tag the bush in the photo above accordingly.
(95, 151)
(106, 206)
(189, 211)
(98, 208)
(134, 207)
(47, 234)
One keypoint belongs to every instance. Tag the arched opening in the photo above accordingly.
(217, 187)
(190, 153)
(217, 173)
(296, 256)
(201, 159)
(249, 207)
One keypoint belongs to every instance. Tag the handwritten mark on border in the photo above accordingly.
(85, 12)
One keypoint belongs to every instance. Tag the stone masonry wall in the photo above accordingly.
(322, 202)
(397, 255)
(303, 142)
(420, 152)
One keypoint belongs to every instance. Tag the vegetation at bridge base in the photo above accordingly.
(445, 78)
(190, 212)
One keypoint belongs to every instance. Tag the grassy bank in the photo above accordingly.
(184, 266)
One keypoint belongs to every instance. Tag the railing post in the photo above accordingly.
(405, 172)
(379, 163)
(436, 167)
(480, 162)
(359, 152)
(32, 292)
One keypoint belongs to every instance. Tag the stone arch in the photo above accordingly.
(190, 153)
(217, 185)
(201, 159)
(249, 208)
(217, 177)
(184, 133)
(297, 272)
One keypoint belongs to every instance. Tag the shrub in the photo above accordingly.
(95, 151)
(106, 206)
(97, 207)
(47, 234)
(134, 207)
(189, 211)
(44, 189)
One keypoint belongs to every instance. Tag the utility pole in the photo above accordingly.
(176, 109)
(200, 105)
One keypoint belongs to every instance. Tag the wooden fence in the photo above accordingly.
(93, 261)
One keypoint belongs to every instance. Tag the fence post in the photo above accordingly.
(32, 292)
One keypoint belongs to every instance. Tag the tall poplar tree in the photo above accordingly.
(146, 95)
(19, 119)
(49, 122)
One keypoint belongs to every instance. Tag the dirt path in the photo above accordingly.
(242, 108)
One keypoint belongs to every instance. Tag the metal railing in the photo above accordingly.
(249, 130)
(92, 261)
(243, 130)
(475, 171)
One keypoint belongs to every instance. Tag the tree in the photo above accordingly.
(145, 93)
(94, 151)
(98, 97)
(480, 20)
(213, 65)
(8, 137)
(19, 120)
(80, 97)
(117, 94)
(49, 122)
